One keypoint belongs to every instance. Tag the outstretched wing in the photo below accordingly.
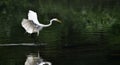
(30, 26)
(33, 16)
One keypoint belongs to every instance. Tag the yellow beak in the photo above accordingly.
(59, 21)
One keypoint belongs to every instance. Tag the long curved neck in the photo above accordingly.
(42, 63)
(49, 23)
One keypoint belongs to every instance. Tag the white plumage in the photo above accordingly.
(32, 25)
(33, 16)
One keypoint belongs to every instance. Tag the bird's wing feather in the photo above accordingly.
(27, 26)
(33, 16)
(30, 26)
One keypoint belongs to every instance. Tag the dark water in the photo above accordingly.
(61, 55)
(95, 22)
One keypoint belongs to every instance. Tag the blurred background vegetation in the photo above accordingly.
(84, 21)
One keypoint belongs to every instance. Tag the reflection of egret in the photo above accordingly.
(32, 25)
(36, 60)
(44, 63)
(30, 60)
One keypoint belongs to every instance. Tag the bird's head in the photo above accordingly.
(57, 20)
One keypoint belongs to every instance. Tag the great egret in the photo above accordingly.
(32, 25)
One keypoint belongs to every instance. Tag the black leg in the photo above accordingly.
(34, 37)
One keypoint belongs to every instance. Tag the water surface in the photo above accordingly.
(61, 55)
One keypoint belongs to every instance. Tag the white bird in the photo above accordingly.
(32, 25)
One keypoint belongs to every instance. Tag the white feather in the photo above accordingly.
(33, 16)
(27, 26)
(30, 26)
